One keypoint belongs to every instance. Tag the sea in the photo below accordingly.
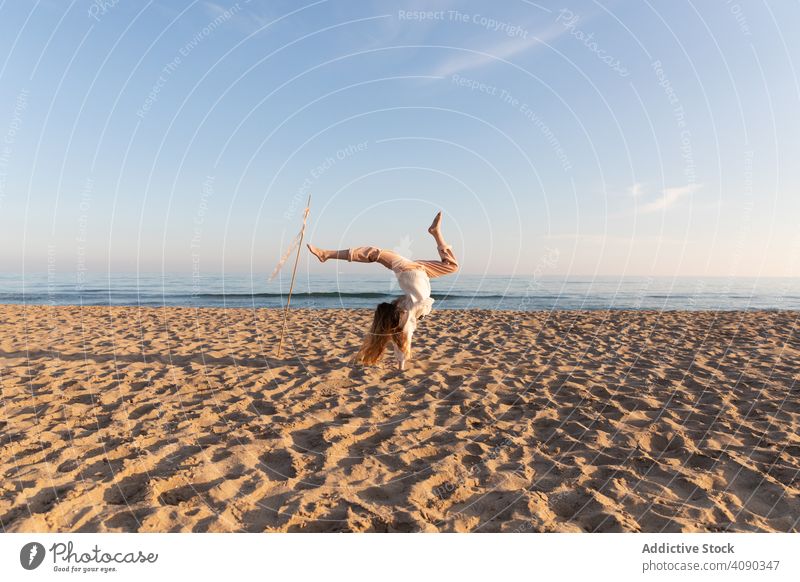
(452, 292)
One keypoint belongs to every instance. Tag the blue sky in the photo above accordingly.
(578, 138)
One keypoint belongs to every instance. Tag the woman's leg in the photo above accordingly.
(448, 262)
(388, 259)
(324, 255)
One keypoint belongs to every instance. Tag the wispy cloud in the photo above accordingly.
(669, 197)
(248, 17)
(636, 190)
(502, 50)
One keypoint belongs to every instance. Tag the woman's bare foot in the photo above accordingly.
(434, 227)
(319, 253)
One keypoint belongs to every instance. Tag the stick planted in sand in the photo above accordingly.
(299, 241)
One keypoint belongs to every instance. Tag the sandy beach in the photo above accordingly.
(180, 419)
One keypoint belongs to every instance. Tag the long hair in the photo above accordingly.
(386, 326)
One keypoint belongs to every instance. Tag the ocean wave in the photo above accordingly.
(345, 295)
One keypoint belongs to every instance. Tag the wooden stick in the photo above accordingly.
(294, 272)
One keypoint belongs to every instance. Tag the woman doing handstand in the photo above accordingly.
(396, 322)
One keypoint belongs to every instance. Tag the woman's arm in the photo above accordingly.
(403, 351)
(414, 308)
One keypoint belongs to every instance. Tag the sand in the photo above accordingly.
(170, 419)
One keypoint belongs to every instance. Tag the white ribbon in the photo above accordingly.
(292, 245)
